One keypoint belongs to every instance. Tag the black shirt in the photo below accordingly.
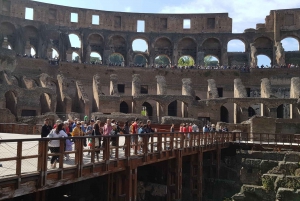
(45, 130)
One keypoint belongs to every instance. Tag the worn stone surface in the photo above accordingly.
(287, 194)
(239, 89)
(212, 91)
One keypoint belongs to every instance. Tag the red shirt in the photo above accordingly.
(190, 129)
(184, 129)
(134, 128)
(180, 129)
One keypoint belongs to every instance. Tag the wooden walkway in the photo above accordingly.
(26, 167)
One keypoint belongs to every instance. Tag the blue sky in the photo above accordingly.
(245, 13)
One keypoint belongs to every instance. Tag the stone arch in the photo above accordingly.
(117, 44)
(187, 46)
(45, 101)
(75, 40)
(11, 102)
(162, 60)
(96, 42)
(290, 43)
(30, 32)
(236, 45)
(163, 46)
(224, 114)
(137, 44)
(116, 59)
(214, 61)
(149, 109)
(264, 60)
(186, 60)
(264, 45)
(140, 60)
(7, 29)
(95, 57)
(212, 46)
(124, 108)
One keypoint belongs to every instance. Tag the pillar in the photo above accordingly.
(28, 48)
(161, 85)
(5, 43)
(174, 180)
(136, 85)
(212, 91)
(265, 88)
(131, 184)
(113, 89)
(196, 175)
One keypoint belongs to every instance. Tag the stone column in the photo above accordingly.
(161, 85)
(295, 93)
(69, 55)
(240, 113)
(113, 89)
(5, 43)
(200, 58)
(136, 85)
(212, 91)
(265, 92)
(28, 48)
(187, 90)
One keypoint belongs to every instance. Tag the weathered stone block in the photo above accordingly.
(265, 165)
(287, 182)
(268, 181)
(287, 194)
(292, 157)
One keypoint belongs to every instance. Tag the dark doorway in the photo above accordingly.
(251, 112)
(11, 102)
(124, 107)
(280, 111)
(148, 109)
(172, 109)
(224, 114)
(45, 103)
(197, 98)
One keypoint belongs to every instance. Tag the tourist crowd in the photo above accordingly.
(70, 128)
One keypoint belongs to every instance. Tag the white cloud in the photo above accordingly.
(244, 13)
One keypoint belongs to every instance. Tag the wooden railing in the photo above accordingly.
(26, 160)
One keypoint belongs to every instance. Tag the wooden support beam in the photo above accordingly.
(218, 153)
(131, 184)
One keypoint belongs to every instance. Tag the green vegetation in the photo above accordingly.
(139, 59)
(116, 58)
(162, 60)
(186, 61)
(95, 59)
(209, 62)
(268, 182)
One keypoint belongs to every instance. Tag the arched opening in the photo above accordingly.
(45, 101)
(280, 111)
(162, 60)
(95, 58)
(163, 46)
(187, 46)
(224, 114)
(197, 98)
(11, 102)
(140, 61)
(235, 45)
(55, 54)
(75, 41)
(290, 44)
(263, 61)
(186, 61)
(149, 109)
(211, 61)
(251, 112)
(7, 29)
(140, 45)
(116, 59)
(117, 44)
(212, 46)
(75, 57)
(124, 107)
(172, 109)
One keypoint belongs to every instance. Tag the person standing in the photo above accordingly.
(54, 145)
(46, 128)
